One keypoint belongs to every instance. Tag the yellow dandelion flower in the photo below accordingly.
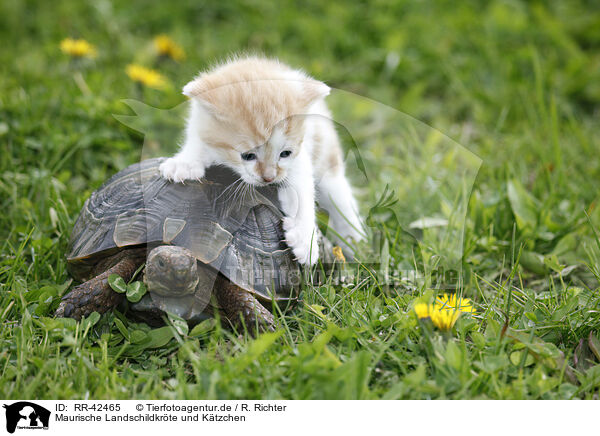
(338, 254)
(445, 311)
(423, 310)
(444, 319)
(78, 48)
(146, 76)
(165, 46)
(451, 302)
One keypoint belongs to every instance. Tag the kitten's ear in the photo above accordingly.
(315, 90)
(193, 88)
(196, 90)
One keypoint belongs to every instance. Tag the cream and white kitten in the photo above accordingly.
(269, 123)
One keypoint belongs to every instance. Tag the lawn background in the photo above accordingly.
(516, 83)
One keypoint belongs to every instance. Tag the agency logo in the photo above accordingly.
(26, 415)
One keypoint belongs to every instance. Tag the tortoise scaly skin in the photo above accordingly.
(96, 295)
(242, 308)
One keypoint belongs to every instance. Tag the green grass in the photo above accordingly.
(516, 84)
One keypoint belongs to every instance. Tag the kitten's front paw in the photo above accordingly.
(178, 170)
(302, 240)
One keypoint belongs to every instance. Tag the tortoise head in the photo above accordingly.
(171, 271)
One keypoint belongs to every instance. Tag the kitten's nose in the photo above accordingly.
(268, 179)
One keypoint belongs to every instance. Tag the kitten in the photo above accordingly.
(270, 124)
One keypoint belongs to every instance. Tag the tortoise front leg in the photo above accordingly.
(96, 295)
(240, 306)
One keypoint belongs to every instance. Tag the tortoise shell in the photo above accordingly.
(238, 235)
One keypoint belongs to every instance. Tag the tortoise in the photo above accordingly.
(200, 239)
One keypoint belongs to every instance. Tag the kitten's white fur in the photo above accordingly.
(262, 107)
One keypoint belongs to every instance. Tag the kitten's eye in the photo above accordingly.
(248, 156)
(285, 153)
